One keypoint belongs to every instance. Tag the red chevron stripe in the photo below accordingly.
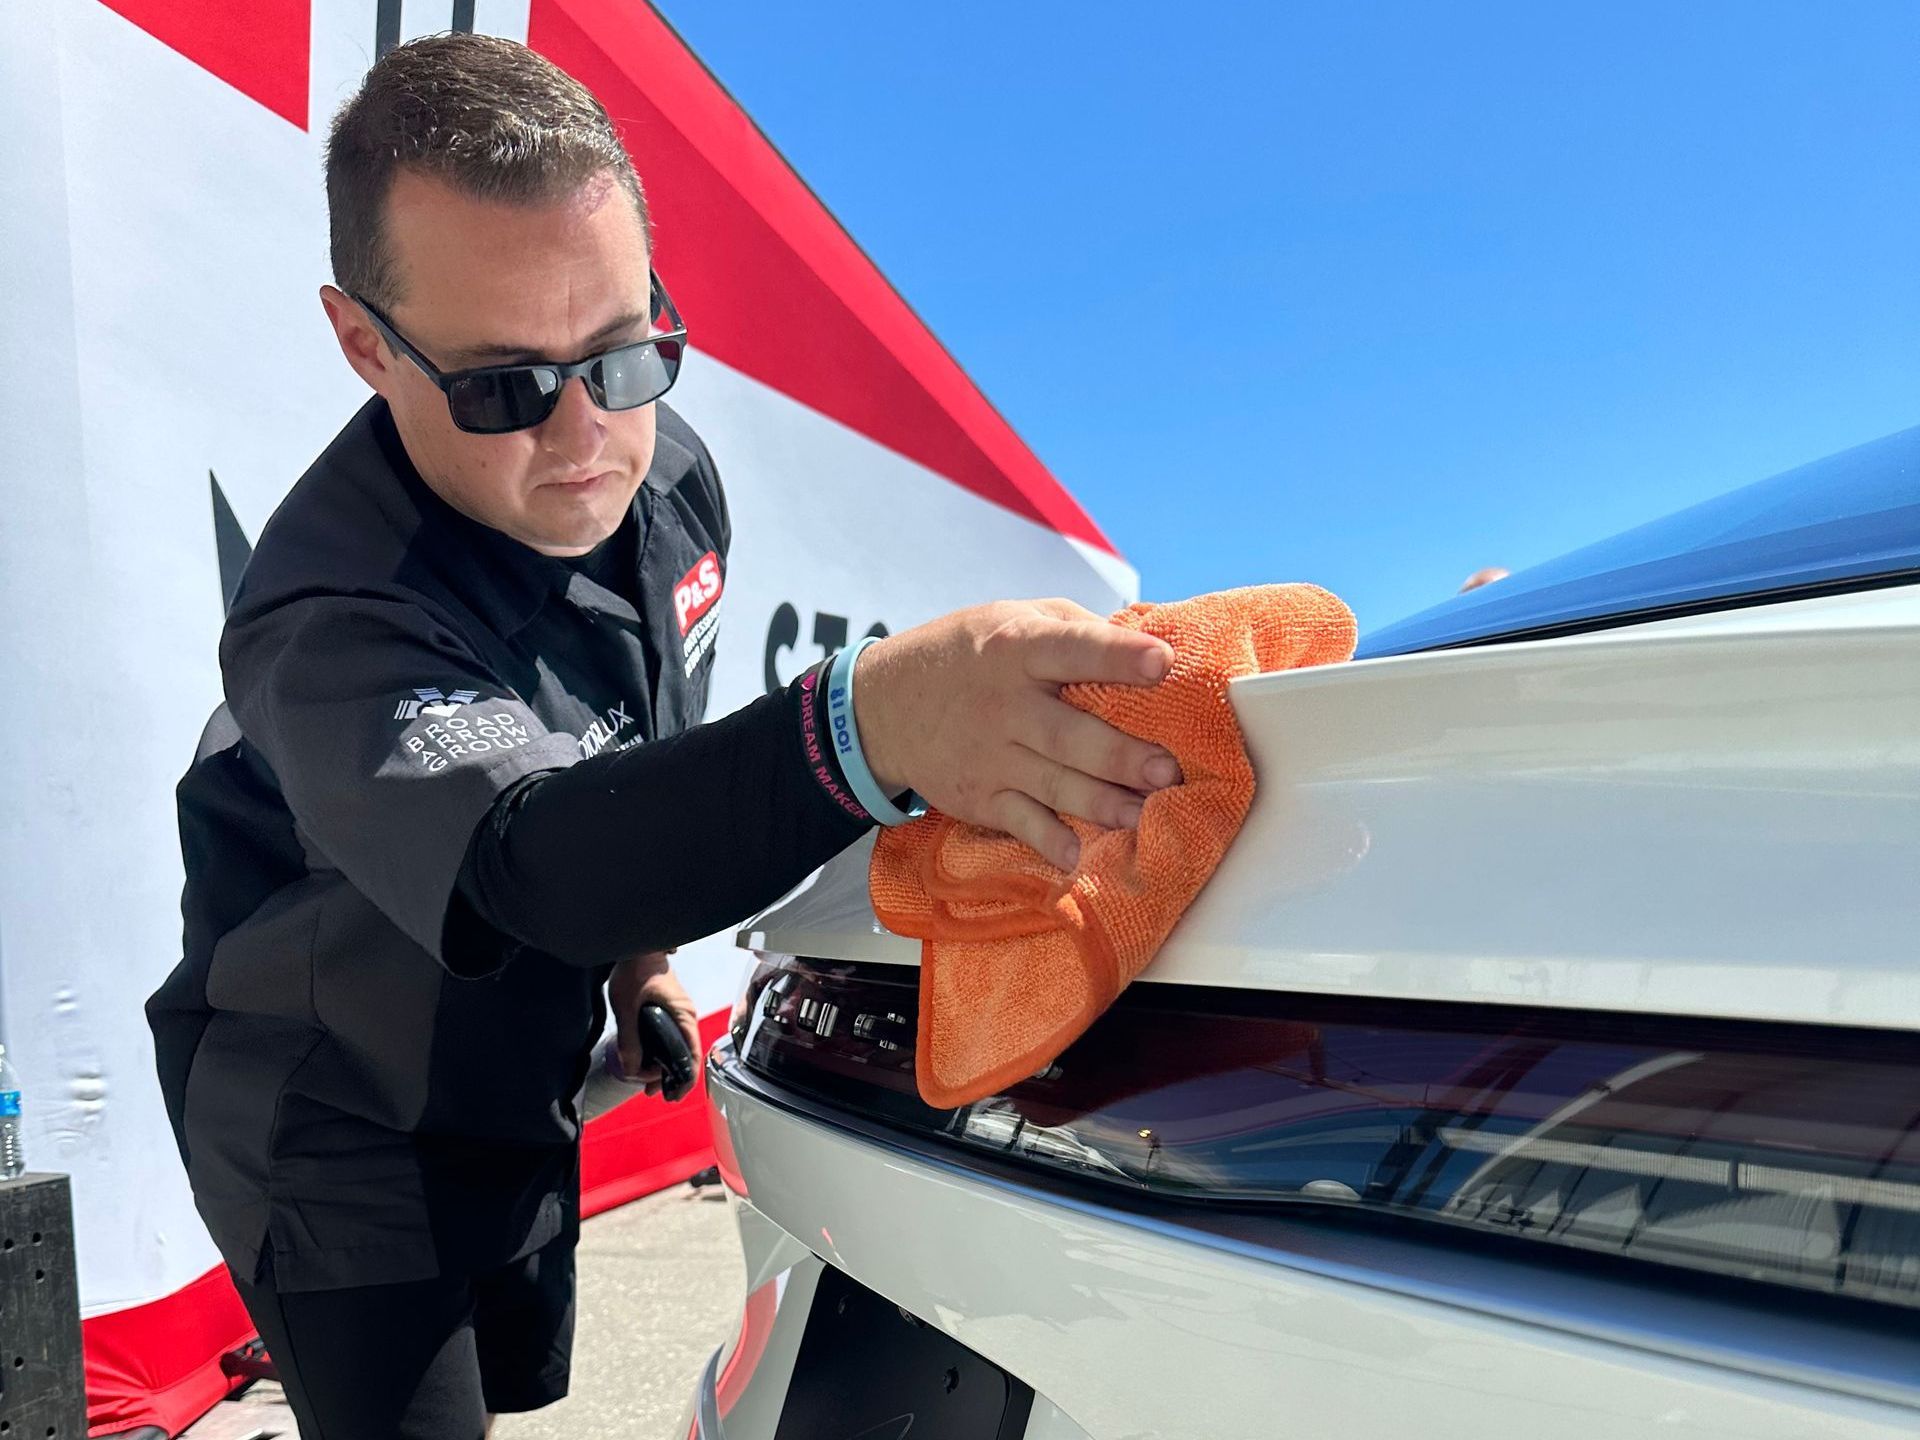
(260, 47)
(770, 282)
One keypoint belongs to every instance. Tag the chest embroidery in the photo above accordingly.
(696, 604)
(604, 730)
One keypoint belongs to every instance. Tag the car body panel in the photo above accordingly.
(1709, 816)
(1144, 1331)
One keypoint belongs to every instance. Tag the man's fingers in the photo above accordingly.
(1079, 651)
(1063, 609)
(1088, 744)
(1027, 820)
(1062, 788)
(627, 1042)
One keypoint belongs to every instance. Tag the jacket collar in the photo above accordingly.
(508, 583)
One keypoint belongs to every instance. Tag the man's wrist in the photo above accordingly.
(872, 677)
(816, 728)
(649, 964)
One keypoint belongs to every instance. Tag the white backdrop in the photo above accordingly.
(162, 237)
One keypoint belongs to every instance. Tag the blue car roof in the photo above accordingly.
(1849, 520)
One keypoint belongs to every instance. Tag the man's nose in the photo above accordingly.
(577, 428)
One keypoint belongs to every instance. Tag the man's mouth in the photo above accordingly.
(580, 483)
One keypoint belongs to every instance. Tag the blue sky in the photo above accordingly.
(1374, 295)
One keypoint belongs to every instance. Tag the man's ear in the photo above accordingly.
(366, 352)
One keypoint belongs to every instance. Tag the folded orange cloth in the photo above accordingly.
(1019, 957)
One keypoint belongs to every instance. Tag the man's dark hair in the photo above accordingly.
(483, 115)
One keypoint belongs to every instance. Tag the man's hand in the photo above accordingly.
(647, 980)
(967, 711)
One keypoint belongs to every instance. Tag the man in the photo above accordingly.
(463, 800)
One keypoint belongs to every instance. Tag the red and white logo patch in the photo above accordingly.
(696, 600)
(697, 591)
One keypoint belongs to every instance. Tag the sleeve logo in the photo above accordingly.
(433, 702)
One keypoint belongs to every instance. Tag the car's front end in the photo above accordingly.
(1543, 1059)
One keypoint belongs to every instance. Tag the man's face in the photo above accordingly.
(489, 284)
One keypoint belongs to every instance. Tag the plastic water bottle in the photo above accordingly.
(13, 1154)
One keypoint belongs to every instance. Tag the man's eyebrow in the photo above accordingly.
(505, 354)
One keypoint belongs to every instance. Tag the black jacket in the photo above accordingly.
(370, 1064)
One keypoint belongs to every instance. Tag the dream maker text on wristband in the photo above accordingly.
(846, 740)
(812, 722)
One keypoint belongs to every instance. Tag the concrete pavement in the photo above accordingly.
(661, 1283)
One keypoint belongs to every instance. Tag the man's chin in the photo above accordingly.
(571, 519)
(567, 540)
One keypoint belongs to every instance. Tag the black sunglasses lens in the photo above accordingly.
(503, 400)
(635, 374)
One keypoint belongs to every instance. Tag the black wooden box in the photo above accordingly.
(42, 1384)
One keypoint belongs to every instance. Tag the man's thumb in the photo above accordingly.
(627, 1042)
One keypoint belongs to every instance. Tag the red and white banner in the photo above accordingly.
(169, 375)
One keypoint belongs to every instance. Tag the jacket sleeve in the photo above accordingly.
(390, 740)
(653, 846)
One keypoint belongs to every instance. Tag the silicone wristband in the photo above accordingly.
(819, 751)
(846, 741)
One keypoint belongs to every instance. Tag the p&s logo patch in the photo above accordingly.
(696, 601)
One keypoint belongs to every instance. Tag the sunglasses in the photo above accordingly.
(497, 399)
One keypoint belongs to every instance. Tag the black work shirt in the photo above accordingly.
(370, 1062)
(614, 564)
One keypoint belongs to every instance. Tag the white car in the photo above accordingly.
(1544, 1060)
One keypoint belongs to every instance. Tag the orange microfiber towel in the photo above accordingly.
(1019, 957)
